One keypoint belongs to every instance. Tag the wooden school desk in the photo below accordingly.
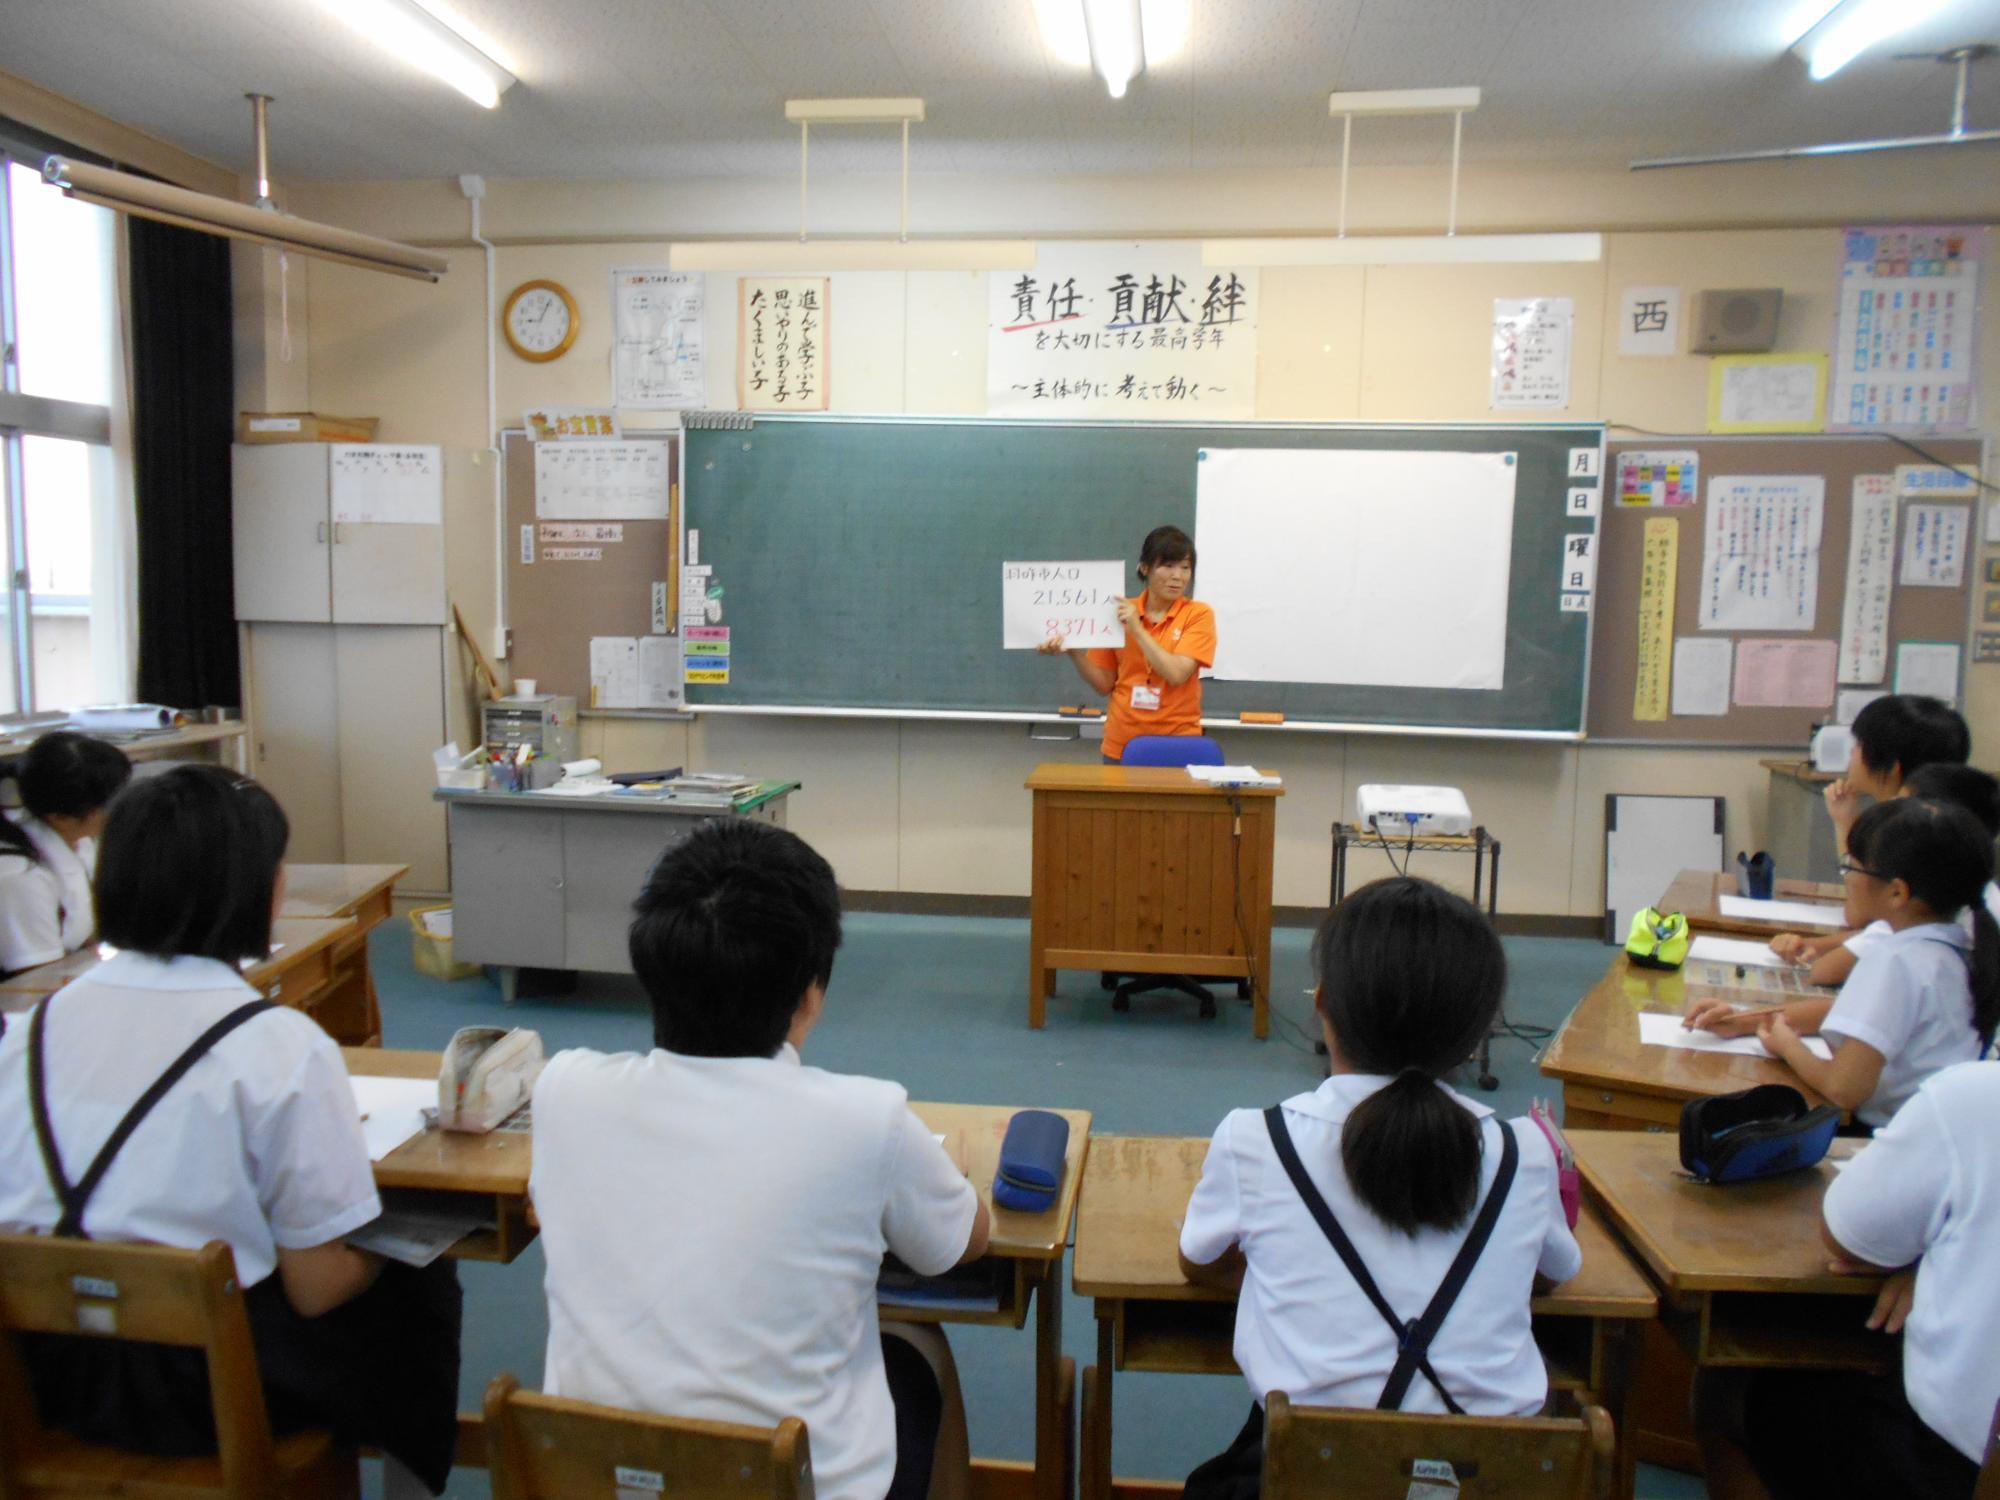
(494, 1169)
(1612, 1081)
(1741, 1269)
(298, 974)
(1145, 870)
(1697, 894)
(351, 1012)
(1150, 1317)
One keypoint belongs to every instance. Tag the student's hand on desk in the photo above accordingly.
(1776, 1033)
(1892, 1303)
(1791, 947)
(1722, 1018)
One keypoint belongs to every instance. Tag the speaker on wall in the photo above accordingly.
(1743, 320)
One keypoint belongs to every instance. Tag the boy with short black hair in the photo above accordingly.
(1894, 737)
(714, 1212)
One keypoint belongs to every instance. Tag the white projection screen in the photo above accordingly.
(1387, 569)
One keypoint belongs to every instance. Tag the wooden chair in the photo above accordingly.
(149, 1294)
(1988, 1487)
(1314, 1453)
(549, 1448)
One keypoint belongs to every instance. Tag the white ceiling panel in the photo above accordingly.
(659, 89)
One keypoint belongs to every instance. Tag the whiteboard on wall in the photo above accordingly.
(1387, 569)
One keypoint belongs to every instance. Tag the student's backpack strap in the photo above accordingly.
(1413, 1338)
(75, 1197)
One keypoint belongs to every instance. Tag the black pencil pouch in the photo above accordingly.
(1031, 1161)
(1754, 1133)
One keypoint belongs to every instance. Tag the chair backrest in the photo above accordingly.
(1172, 750)
(139, 1293)
(1988, 1487)
(1312, 1451)
(550, 1448)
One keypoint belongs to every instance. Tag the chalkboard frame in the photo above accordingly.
(1557, 642)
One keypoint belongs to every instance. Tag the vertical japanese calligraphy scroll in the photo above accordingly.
(1761, 567)
(1132, 331)
(782, 342)
(1659, 565)
(1871, 569)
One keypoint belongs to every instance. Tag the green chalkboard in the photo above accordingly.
(859, 560)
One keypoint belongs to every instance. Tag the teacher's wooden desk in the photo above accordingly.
(1145, 870)
(1697, 894)
(1742, 1269)
(1151, 1317)
(1613, 1081)
(299, 972)
(351, 1012)
(494, 1169)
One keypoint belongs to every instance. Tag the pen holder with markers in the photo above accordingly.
(508, 775)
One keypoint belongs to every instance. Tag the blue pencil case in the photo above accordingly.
(1031, 1161)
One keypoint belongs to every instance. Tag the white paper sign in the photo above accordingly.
(1663, 1029)
(1702, 667)
(1579, 562)
(394, 484)
(1649, 320)
(658, 340)
(635, 671)
(1928, 667)
(1779, 395)
(1903, 349)
(1760, 564)
(1075, 600)
(1272, 525)
(1584, 504)
(1850, 701)
(1141, 331)
(1935, 482)
(1531, 345)
(1934, 543)
(1871, 571)
(783, 342)
(625, 481)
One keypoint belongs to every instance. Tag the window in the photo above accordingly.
(61, 610)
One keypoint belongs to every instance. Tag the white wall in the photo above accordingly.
(938, 807)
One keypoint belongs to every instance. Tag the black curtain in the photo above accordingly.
(183, 420)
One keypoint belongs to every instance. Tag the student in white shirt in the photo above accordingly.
(48, 848)
(1928, 995)
(256, 1141)
(1409, 1171)
(1925, 1193)
(715, 1213)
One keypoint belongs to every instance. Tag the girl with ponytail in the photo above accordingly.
(1387, 1230)
(1927, 995)
(48, 845)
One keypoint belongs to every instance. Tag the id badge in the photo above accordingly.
(1145, 698)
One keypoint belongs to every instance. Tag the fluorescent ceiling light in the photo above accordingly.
(1800, 19)
(854, 111)
(1117, 42)
(426, 35)
(1165, 27)
(852, 255)
(238, 221)
(1403, 102)
(1853, 26)
(1405, 250)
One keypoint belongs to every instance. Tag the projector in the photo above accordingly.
(1407, 811)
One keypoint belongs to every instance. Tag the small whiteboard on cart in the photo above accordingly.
(1388, 569)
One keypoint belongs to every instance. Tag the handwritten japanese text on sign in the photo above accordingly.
(1760, 566)
(782, 342)
(1659, 561)
(1871, 576)
(1075, 600)
(1122, 330)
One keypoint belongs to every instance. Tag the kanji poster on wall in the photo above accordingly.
(1903, 348)
(783, 339)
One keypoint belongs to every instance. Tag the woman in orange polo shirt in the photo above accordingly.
(1153, 681)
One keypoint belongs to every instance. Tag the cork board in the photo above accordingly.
(1916, 614)
(554, 607)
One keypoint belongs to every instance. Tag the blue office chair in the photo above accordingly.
(1169, 750)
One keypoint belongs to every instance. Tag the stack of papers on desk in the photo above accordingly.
(1664, 1029)
(392, 1109)
(1750, 952)
(1233, 776)
(1792, 913)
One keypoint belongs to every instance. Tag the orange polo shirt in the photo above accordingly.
(1187, 630)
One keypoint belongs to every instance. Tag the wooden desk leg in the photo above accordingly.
(1052, 1438)
(1618, 1344)
(1097, 1382)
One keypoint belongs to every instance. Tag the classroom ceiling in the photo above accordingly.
(660, 89)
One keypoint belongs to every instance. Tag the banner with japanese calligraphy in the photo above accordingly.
(1115, 329)
(782, 342)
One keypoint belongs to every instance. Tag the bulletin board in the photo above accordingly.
(1916, 614)
(554, 607)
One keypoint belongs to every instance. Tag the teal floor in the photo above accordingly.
(939, 1005)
